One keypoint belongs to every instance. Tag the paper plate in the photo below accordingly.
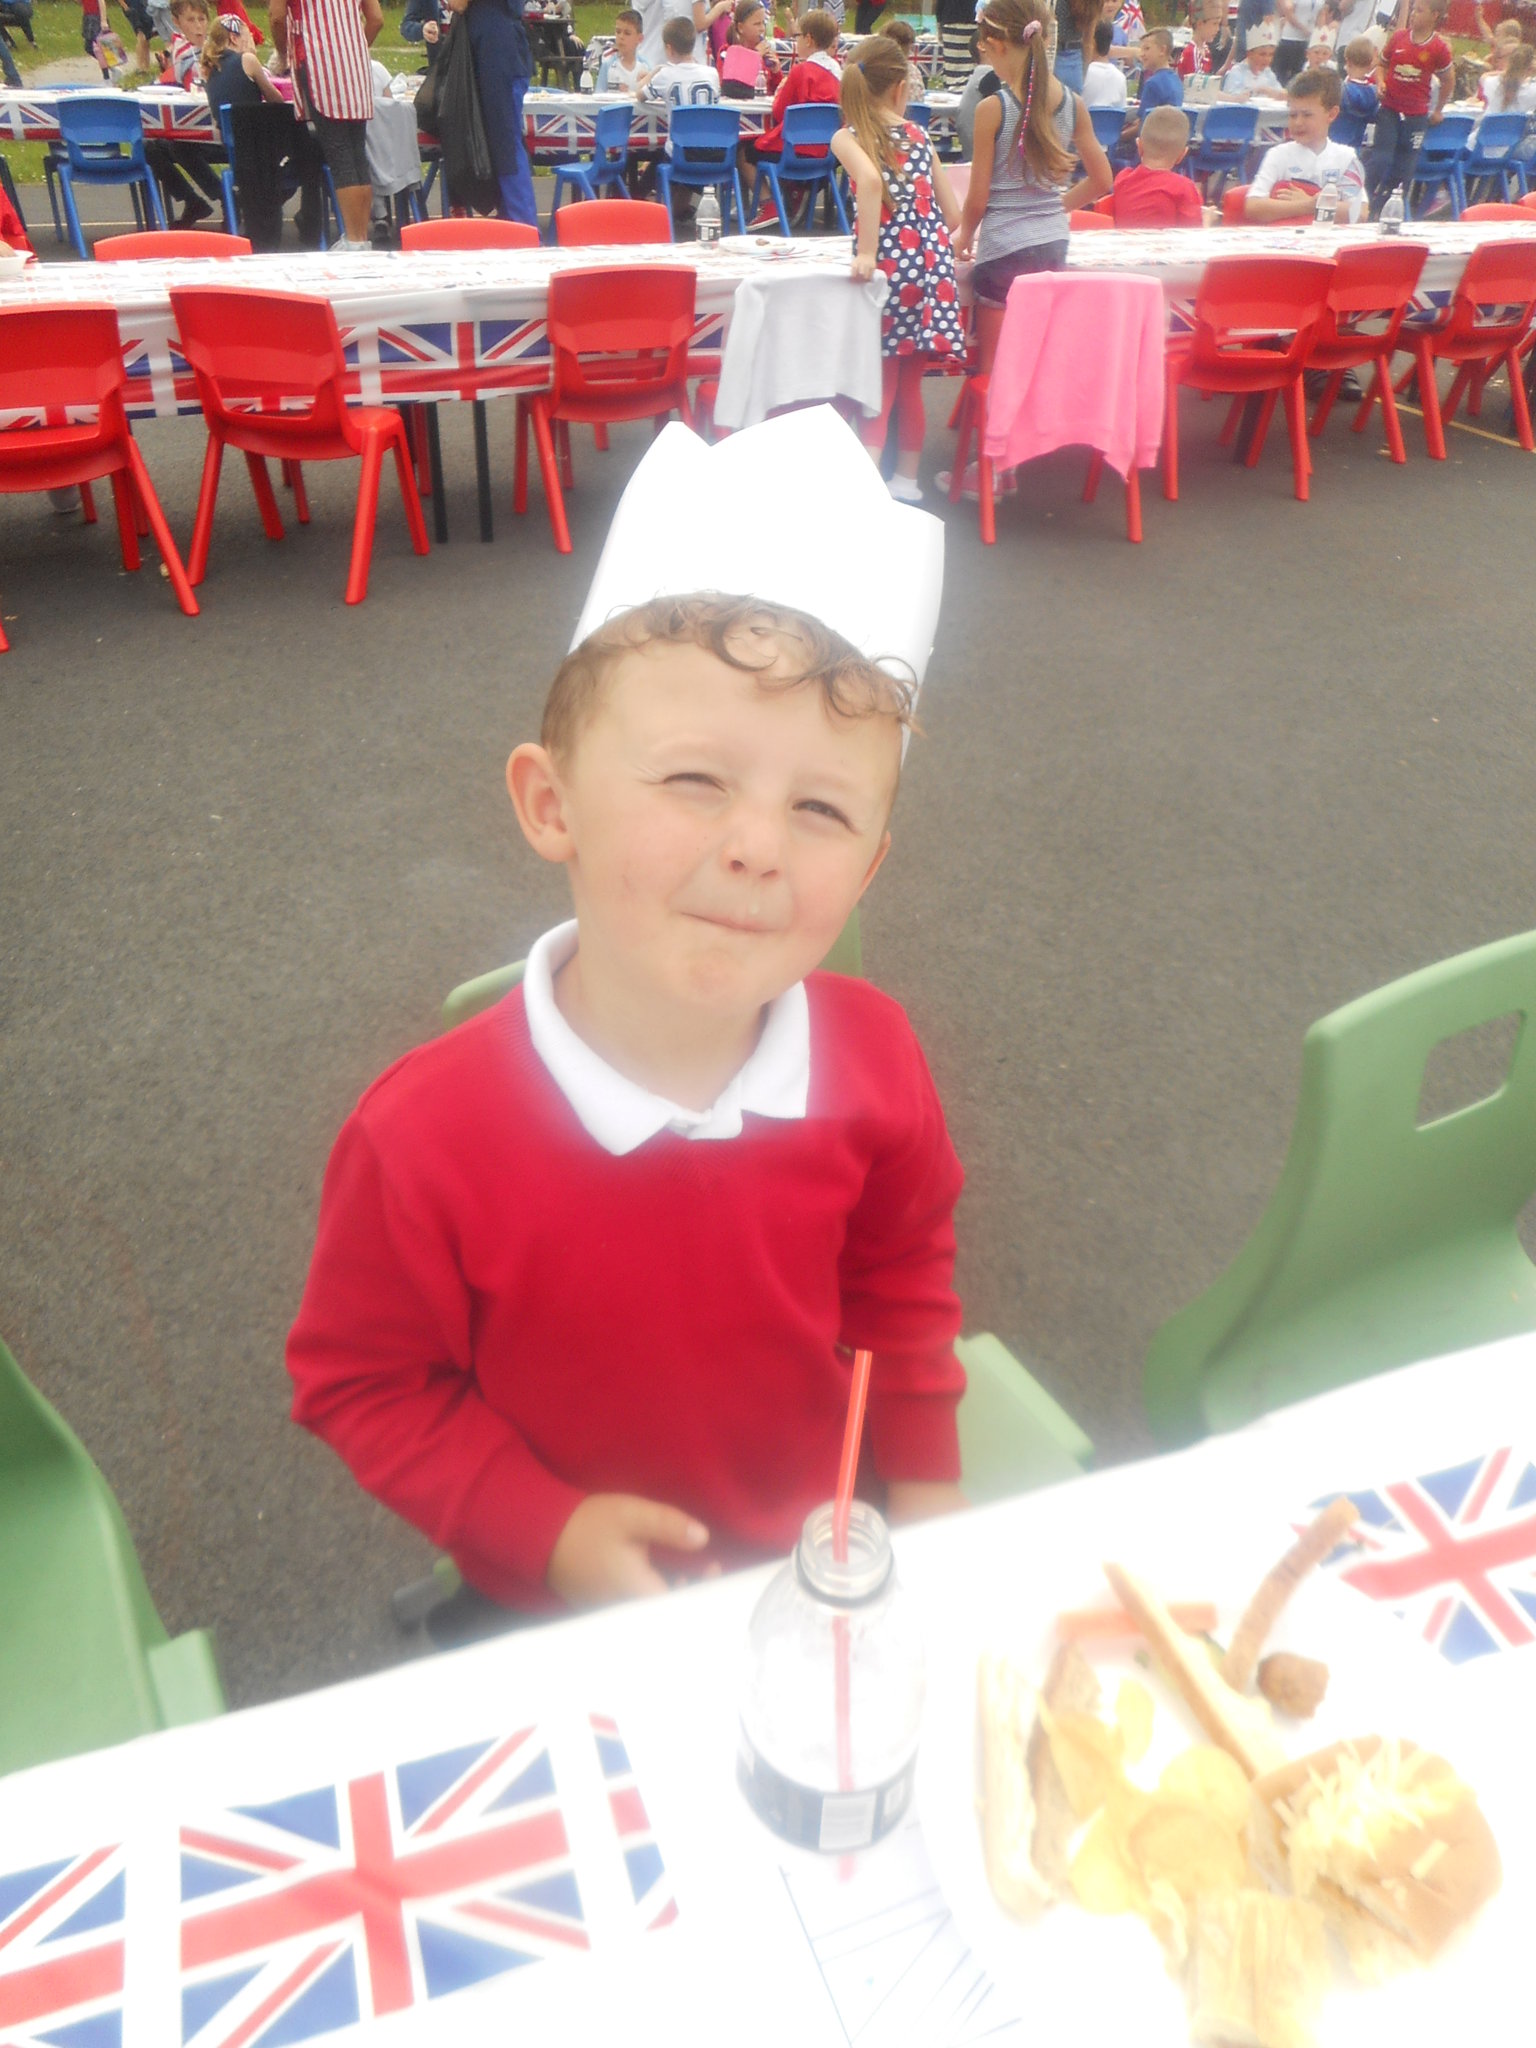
(1083, 1978)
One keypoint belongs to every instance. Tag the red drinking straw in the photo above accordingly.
(843, 1502)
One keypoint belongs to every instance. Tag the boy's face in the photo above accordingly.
(1309, 121)
(1318, 54)
(193, 23)
(1259, 56)
(626, 39)
(1422, 21)
(716, 833)
(1151, 56)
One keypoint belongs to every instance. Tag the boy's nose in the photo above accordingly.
(754, 845)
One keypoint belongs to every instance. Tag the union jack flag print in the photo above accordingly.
(648, 1881)
(61, 1953)
(369, 1897)
(1453, 1552)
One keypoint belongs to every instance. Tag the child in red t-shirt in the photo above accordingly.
(1415, 57)
(591, 1268)
(1152, 194)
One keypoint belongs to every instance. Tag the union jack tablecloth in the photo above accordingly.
(541, 1839)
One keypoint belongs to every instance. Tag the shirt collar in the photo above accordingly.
(618, 1112)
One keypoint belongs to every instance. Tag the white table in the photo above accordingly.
(232, 1848)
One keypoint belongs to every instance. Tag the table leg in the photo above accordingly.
(483, 470)
(435, 464)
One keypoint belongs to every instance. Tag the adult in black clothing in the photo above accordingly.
(866, 16)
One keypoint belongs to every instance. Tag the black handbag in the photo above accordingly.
(468, 170)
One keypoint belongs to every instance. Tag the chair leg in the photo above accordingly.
(1453, 397)
(1325, 403)
(1260, 429)
(1379, 386)
(409, 493)
(549, 470)
(152, 201)
(1519, 401)
(1296, 420)
(775, 186)
(266, 502)
(600, 437)
(986, 502)
(88, 504)
(207, 498)
(127, 525)
(838, 206)
(563, 450)
(367, 517)
(300, 494)
(71, 215)
(1229, 424)
(1429, 399)
(1132, 504)
(963, 412)
(520, 460)
(1171, 443)
(160, 528)
(1382, 382)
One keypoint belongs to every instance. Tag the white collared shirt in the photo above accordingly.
(618, 1112)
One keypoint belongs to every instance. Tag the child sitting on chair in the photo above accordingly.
(1152, 194)
(591, 1268)
(1294, 172)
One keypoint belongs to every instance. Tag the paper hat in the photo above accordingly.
(1265, 37)
(1322, 38)
(793, 512)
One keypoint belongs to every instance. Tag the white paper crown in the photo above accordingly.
(793, 512)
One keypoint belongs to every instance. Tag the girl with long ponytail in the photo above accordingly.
(904, 208)
(1016, 206)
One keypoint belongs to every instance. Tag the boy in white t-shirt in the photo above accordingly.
(1294, 172)
(1104, 81)
(621, 69)
(678, 79)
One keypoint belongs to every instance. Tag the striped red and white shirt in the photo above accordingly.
(328, 41)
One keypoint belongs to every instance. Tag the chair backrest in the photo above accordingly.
(468, 234)
(620, 329)
(1387, 1239)
(100, 121)
(1372, 291)
(1496, 293)
(704, 138)
(1445, 143)
(268, 348)
(920, 114)
(1085, 217)
(1495, 209)
(1228, 125)
(1233, 201)
(610, 142)
(170, 242)
(596, 223)
(809, 129)
(1246, 303)
(1108, 125)
(1499, 135)
(56, 357)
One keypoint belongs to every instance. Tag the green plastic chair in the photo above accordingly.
(1386, 1241)
(84, 1658)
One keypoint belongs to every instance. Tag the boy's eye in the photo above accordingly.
(818, 809)
(692, 778)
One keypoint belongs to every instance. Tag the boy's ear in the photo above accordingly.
(533, 783)
(874, 867)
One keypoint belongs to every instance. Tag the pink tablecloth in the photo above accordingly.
(1079, 363)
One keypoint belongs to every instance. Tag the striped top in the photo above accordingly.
(331, 47)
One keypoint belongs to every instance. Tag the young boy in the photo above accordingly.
(192, 23)
(1151, 194)
(679, 79)
(1104, 81)
(589, 1269)
(1161, 85)
(1359, 99)
(1293, 173)
(621, 70)
(1415, 58)
(1320, 49)
(1255, 72)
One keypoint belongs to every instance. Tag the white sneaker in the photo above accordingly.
(906, 490)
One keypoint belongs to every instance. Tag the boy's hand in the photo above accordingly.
(603, 1552)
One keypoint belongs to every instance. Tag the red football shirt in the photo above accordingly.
(1156, 199)
(1410, 68)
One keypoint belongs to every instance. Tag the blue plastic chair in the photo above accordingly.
(1494, 155)
(606, 168)
(51, 162)
(103, 138)
(704, 144)
(1221, 151)
(1108, 127)
(804, 128)
(920, 114)
(1438, 165)
(330, 212)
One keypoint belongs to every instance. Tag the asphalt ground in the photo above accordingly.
(1173, 802)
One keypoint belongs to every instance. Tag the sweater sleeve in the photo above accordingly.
(382, 1365)
(898, 1296)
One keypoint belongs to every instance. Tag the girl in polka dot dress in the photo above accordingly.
(905, 210)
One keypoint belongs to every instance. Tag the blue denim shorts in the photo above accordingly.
(990, 280)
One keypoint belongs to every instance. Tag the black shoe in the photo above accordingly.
(193, 213)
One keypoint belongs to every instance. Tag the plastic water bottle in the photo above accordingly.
(1327, 209)
(706, 221)
(1391, 221)
(588, 82)
(760, 88)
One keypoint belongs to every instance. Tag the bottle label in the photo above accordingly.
(833, 1822)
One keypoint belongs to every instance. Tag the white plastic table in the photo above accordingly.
(540, 1838)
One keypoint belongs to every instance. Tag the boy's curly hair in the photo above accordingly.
(851, 685)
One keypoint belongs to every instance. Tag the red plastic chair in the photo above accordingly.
(1486, 324)
(1233, 200)
(608, 223)
(1528, 203)
(618, 343)
(1245, 308)
(175, 242)
(265, 349)
(1082, 217)
(970, 418)
(1498, 209)
(55, 360)
(468, 234)
(1371, 294)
